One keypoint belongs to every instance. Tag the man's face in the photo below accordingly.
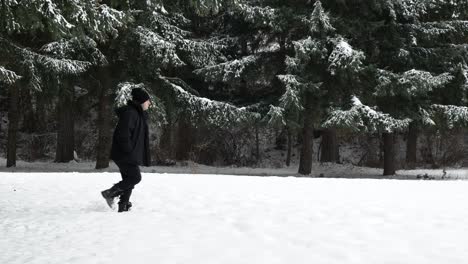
(145, 105)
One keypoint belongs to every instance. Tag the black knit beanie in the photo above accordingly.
(139, 95)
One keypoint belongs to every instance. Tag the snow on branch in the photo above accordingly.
(210, 7)
(169, 27)
(306, 48)
(208, 111)
(157, 48)
(410, 83)
(320, 20)
(425, 117)
(275, 116)
(201, 53)
(108, 22)
(53, 14)
(7, 76)
(84, 49)
(62, 66)
(291, 99)
(227, 71)
(345, 57)
(450, 116)
(32, 59)
(10, 21)
(257, 16)
(361, 117)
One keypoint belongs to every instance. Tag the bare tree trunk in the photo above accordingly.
(329, 149)
(257, 143)
(305, 164)
(288, 155)
(389, 154)
(167, 144)
(13, 117)
(184, 139)
(66, 123)
(29, 123)
(411, 145)
(40, 112)
(372, 158)
(104, 119)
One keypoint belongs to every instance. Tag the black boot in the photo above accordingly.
(124, 207)
(110, 195)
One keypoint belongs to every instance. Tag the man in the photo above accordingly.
(130, 148)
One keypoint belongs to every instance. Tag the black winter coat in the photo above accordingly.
(130, 142)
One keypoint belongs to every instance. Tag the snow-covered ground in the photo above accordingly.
(220, 219)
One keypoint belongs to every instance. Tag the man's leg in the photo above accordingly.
(124, 202)
(130, 177)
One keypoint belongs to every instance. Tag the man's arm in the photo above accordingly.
(124, 131)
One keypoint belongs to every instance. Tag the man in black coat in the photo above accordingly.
(130, 148)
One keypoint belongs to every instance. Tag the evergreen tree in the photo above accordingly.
(423, 35)
(46, 21)
(318, 61)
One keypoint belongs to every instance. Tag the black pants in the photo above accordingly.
(131, 176)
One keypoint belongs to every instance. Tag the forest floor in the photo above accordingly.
(325, 170)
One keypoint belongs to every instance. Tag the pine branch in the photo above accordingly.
(411, 83)
(7, 76)
(204, 110)
(344, 57)
(157, 49)
(84, 49)
(228, 71)
(362, 118)
(450, 116)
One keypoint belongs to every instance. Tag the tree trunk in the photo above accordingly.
(29, 122)
(372, 158)
(40, 112)
(13, 117)
(257, 143)
(329, 150)
(288, 155)
(184, 139)
(104, 119)
(389, 154)
(167, 142)
(305, 164)
(411, 145)
(66, 124)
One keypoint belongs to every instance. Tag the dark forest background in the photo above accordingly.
(377, 83)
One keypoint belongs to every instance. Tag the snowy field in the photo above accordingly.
(220, 219)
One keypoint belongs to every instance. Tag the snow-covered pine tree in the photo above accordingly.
(434, 37)
(248, 75)
(162, 50)
(35, 68)
(318, 60)
(78, 48)
(402, 36)
(45, 21)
